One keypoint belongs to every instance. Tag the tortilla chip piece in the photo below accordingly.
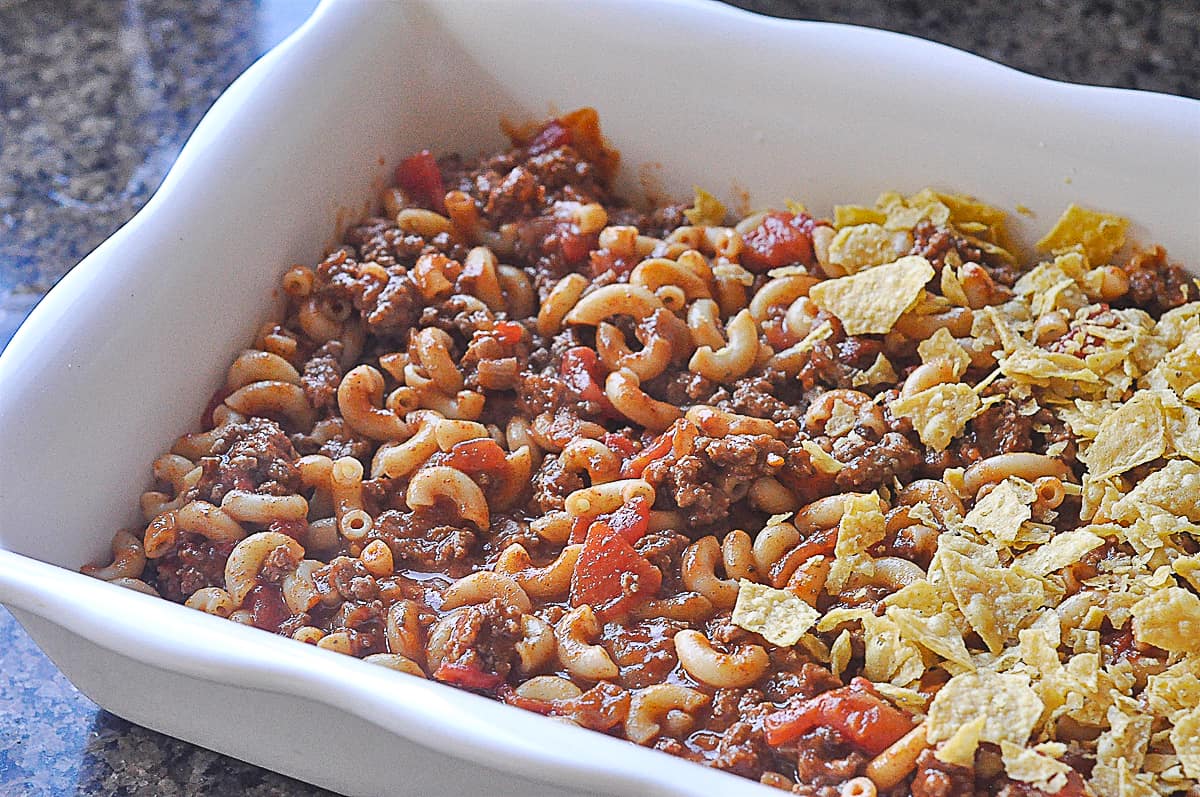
(851, 215)
(780, 616)
(1100, 234)
(1034, 767)
(1121, 750)
(887, 656)
(870, 302)
(880, 371)
(937, 633)
(1173, 490)
(1038, 367)
(996, 601)
(865, 245)
(1005, 701)
(1063, 549)
(960, 748)
(820, 458)
(840, 653)
(1185, 738)
(1000, 514)
(941, 345)
(1175, 690)
(939, 413)
(706, 209)
(1168, 619)
(862, 525)
(1132, 435)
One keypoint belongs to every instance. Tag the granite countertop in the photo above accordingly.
(97, 98)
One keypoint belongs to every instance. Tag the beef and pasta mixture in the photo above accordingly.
(861, 505)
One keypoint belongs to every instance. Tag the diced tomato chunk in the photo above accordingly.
(779, 239)
(631, 521)
(420, 176)
(466, 676)
(610, 575)
(619, 443)
(476, 456)
(854, 711)
(574, 244)
(662, 446)
(582, 372)
(508, 332)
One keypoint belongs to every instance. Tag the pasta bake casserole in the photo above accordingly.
(851, 506)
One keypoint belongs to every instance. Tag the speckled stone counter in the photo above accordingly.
(97, 98)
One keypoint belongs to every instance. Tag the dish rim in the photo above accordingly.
(118, 619)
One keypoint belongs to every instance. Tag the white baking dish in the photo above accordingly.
(121, 356)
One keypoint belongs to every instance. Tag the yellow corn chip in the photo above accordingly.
(780, 616)
(960, 748)
(941, 345)
(865, 245)
(1005, 701)
(819, 333)
(1188, 568)
(1173, 490)
(1062, 550)
(995, 601)
(939, 413)
(880, 371)
(887, 656)
(1000, 514)
(938, 634)
(1175, 690)
(1033, 766)
(1121, 749)
(820, 458)
(1100, 234)
(1132, 435)
(706, 209)
(850, 215)
(870, 302)
(1168, 619)
(1038, 367)
(862, 525)
(1185, 738)
(840, 653)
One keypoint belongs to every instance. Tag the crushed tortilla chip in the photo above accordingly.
(862, 525)
(887, 656)
(820, 458)
(1100, 234)
(1170, 491)
(780, 616)
(1065, 548)
(1034, 766)
(960, 748)
(851, 215)
(1132, 435)
(939, 413)
(870, 302)
(865, 245)
(840, 653)
(881, 371)
(1121, 749)
(1169, 619)
(706, 209)
(1000, 514)
(1006, 702)
(1185, 738)
(937, 633)
(996, 601)
(941, 345)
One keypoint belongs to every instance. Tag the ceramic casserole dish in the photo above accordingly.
(91, 386)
